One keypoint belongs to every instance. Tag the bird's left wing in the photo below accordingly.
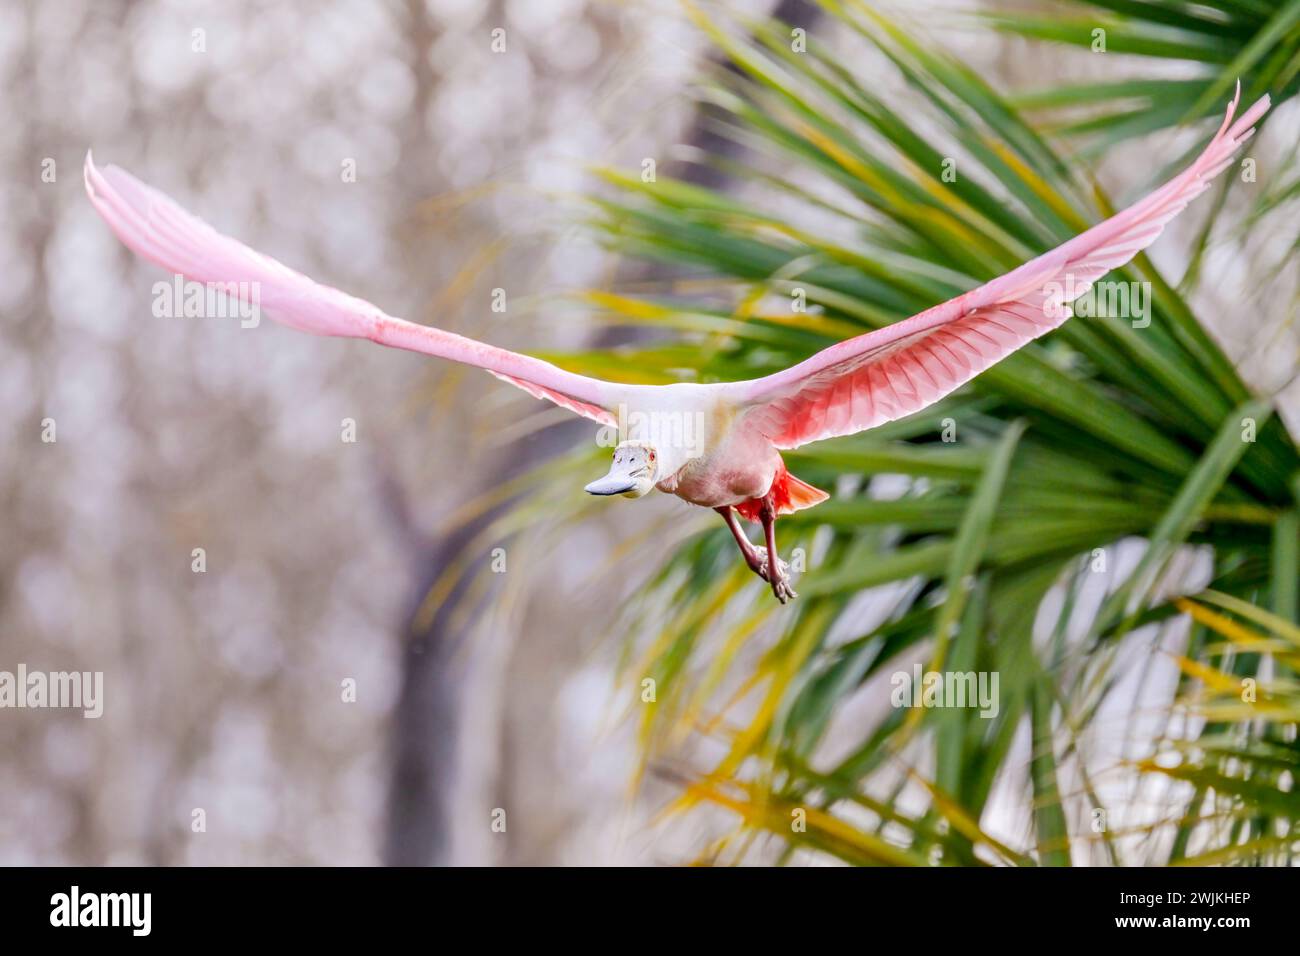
(161, 231)
(881, 376)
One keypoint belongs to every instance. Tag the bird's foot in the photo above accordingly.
(781, 586)
(759, 565)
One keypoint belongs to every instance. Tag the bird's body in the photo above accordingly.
(713, 445)
(739, 466)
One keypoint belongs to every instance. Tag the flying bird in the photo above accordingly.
(714, 445)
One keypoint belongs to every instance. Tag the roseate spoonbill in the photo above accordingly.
(717, 445)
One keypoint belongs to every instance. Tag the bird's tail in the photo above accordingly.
(800, 495)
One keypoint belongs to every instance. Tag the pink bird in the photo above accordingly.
(718, 445)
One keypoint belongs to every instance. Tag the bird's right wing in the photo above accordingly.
(881, 376)
(161, 231)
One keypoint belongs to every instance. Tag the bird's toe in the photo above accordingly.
(782, 589)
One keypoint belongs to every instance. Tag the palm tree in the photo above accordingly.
(1046, 524)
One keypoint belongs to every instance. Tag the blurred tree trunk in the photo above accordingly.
(425, 721)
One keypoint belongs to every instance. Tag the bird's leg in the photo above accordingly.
(777, 573)
(757, 562)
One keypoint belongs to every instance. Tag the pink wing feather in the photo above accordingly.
(161, 231)
(881, 376)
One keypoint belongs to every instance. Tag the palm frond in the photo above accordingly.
(1036, 526)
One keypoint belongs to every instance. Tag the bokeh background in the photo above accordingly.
(223, 687)
(326, 560)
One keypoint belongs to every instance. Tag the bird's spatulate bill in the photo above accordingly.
(632, 472)
(611, 484)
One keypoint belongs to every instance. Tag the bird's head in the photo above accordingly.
(632, 474)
